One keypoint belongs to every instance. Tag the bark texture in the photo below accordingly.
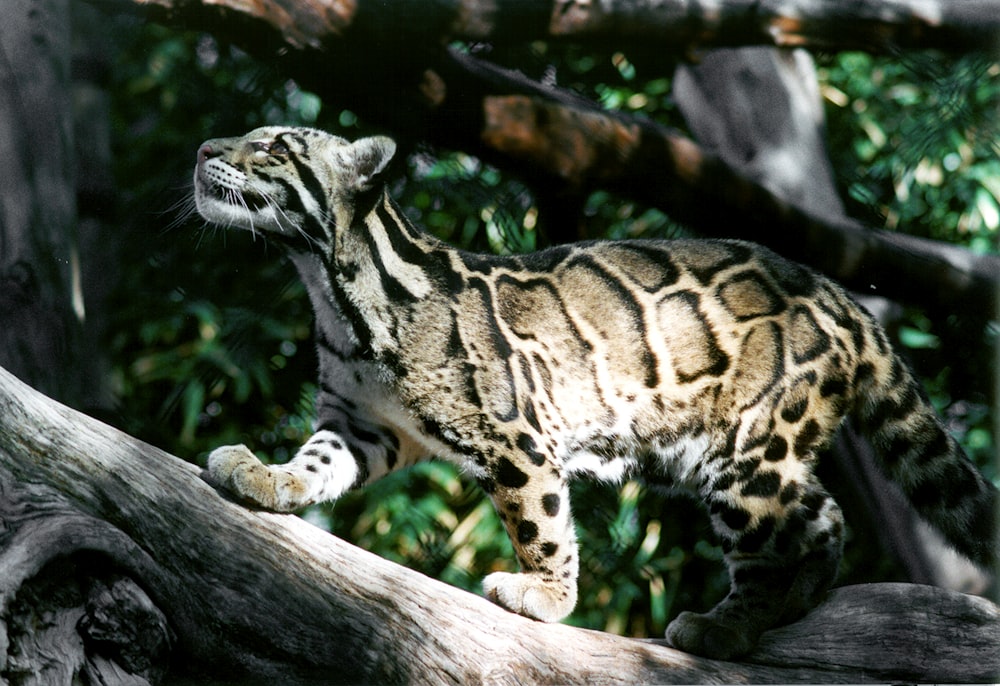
(120, 564)
(678, 26)
(41, 306)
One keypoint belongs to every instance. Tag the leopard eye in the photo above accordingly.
(277, 148)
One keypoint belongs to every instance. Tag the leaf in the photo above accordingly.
(917, 339)
(192, 404)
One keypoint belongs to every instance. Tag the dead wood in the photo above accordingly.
(118, 558)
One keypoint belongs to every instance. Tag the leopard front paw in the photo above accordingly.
(531, 595)
(239, 471)
(707, 636)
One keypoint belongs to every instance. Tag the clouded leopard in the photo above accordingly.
(715, 367)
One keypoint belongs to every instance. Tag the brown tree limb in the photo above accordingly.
(658, 166)
(870, 25)
(674, 26)
(140, 568)
(570, 146)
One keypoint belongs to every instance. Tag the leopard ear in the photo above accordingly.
(369, 158)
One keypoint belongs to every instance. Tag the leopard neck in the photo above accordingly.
(380, 268)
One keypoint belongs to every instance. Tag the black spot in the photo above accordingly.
(790, 532)
(527, 532)
(363, 435)
(311, 468)
(777, 448)
(906, 403)
(793, 412)
(724, 482)
(746, 469)
(735, 518)
(880, 416)
(549, 548)
(531, 416)
(789, 493)
(806, 438)
(864, 372)
(929, 494)
(939, 446)
(812, 503)
(527, 444)
(752, 541)
(764, 484)
(550, 503)
(509, 475)
(900, 445)
(837, 531)
(834, 386)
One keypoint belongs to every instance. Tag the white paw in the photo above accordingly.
(238, 470)
(530, 595)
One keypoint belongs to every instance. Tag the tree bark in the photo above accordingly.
(674, 26)
(120, 561)
(41, 302)
(571, 146)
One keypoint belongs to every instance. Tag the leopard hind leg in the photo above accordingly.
(782, 540)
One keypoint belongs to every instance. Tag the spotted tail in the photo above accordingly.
(935, 475)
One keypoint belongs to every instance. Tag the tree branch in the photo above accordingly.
(673, 26)
(571, 146)
(219, 591)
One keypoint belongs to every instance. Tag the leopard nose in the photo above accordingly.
(206, 152)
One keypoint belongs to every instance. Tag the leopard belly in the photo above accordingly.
(714, 367)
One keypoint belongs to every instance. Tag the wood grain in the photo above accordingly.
(233, 595)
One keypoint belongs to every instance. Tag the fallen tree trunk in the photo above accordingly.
(119, 562)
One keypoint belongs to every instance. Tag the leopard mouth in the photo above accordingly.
(253, 200)
(243, 199)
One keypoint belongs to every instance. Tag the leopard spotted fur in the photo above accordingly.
(713, 367)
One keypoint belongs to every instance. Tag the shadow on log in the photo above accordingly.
(119, 564)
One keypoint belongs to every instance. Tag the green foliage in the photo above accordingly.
(211, 337)
(644, 558)
(916, 141)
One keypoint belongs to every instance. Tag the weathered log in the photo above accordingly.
(118, 558)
